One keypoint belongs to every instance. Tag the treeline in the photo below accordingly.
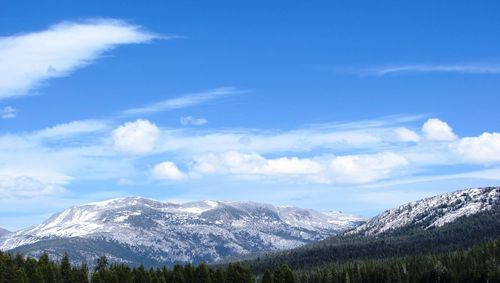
(17, 269)
(478, 264)
(409, 241)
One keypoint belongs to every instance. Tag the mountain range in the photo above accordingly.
(137, 230)
(134, 229)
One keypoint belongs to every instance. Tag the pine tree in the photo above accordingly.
(178, 274)
(277, 276)
(268, 277)
(141, 276)
(37, 276)
(102, 264)
(65, 269)
(20, 276)
(189, 273)
(287, 274)
(219, 276)
(202, 275)
(79, 274)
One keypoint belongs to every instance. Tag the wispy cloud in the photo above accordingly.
(8, 112)
(74, 128)
(484, 174)
(190, 120)
(429, 68)
(183, 101)
(30, 59)
(31, 184)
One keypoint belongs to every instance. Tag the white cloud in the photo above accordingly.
(190, 120)
(485, 175)
(349, 169)
(482, 149)
(71, 129)
(422, 68)
(183, 101)
(267, 141)
(137, 137)
(435, 129)
(254, 164)
(32, 58)
(365, 168)
(16, 183)
(167, 170)
(406, 135)
(8, 112)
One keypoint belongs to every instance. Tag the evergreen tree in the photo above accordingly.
(37, 276)
(20, 276)
(65, 269)
(178, 274)
(237, 274)
(219, 276)
(49, 272)
(189, 273)
(277, 276)
(202, 275)
(286, 274)
(268, 277)
(80, 274)
(102, 264)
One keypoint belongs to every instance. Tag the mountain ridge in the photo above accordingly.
(137, 229)
(433, 211)
(414, 238)
(171, 232)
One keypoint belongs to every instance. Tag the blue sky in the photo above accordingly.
(333, 105)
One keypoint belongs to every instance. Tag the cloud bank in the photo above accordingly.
(353, 154)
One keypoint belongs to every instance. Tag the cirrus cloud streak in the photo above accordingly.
(30, 59)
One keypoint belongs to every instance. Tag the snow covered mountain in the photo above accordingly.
(135, 230)
(433, 212)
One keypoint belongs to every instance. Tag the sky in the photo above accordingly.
(357, 106)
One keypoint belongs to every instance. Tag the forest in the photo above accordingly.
(466, 250)
(480, 263)
(403, 242)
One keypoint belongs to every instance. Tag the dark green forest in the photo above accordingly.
(480, 263)
(407, 241)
